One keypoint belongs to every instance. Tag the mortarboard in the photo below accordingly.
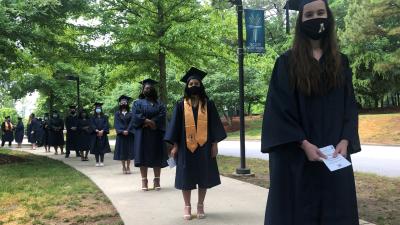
(299, 4)
(148, 81)
(72, 107)
(124, 97)
(98, 104)
(193, 73)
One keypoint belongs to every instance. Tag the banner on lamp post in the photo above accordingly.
(255, 30)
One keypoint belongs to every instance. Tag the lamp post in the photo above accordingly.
(239, 9)
(76, 78)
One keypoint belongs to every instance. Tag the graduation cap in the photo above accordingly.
(98, 104)
(19, 118)
(7, 117)
(193, 73)
(124, 97)
(299, 4)
(148, 81)
(55, 111)
(72, 107)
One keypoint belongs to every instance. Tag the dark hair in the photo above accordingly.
(305, 72)
(202, 96)
(154, 94)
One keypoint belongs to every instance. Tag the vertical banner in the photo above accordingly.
(255, 30)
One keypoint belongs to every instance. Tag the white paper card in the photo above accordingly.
(171, 162)
(334, 163)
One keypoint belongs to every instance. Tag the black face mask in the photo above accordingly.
(150, 93)
(315, 29)
(195, 90)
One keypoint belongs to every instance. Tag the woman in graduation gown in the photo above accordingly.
(8, 131)
(195, 130)
(124, 148)
(19, 132)
(71, 125)
(85, 133)
(33, 131)
(148, 123)
(45, 129)
(99, 141)
(56, 135)
(310, 105)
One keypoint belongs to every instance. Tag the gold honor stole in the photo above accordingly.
(195, 137)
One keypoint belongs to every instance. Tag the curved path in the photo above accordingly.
(231, 203)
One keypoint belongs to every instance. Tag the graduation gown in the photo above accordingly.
(100, 145)
(303, 192)
(150, 149)
(56, 135)
(85, 135)
(19, 132)
(197, 168)
(8, 135)
(124, 145)
(72, 135)
(45, 132)
(33, 131)
(40, 134)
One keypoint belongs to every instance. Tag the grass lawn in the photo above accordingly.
(38, 190)
(373, 129)
(378, 197)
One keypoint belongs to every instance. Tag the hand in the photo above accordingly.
(214, 150)
(313, 153)
(150, 123)
(125, 132)
(174, 151)
(341, 148)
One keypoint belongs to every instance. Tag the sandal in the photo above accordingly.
(157, 186)
(200, 211)
(188, 214)
(144, 184)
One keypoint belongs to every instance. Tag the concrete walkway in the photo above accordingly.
(231, 203)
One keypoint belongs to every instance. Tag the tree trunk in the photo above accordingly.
(382, 100)
(249, 109)
(162, 66)
(228, 119)
(163, 77)
(51, 101)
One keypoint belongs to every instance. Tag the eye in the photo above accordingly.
(308, 14)
(321, 12)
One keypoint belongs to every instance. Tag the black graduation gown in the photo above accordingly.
(56, 135)
(19, 132)
(34, 127)
(124, 145)
(40, 134)
(72, 135)
(8, 136)
(150, 149)
(45, 131)
(85, 135)
(303, 192)
(100, 145)
(197, 168)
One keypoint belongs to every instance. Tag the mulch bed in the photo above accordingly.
(9, 159)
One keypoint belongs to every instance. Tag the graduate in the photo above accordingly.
(310, 105)
(85, 133)
(99, 140)
(71, 124)
(124, 148)
(19, 132)
(149, 127)
(33, 130)
(40, 133)
(7, 129)
(45, 130)
(56, 135)
(194, 131)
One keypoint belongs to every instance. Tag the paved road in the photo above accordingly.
(381, 160)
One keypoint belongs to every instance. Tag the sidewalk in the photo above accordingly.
(231, 203)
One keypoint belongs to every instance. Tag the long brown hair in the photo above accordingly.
(305, 71)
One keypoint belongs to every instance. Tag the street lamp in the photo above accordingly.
(76, 78)
(239, 9)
